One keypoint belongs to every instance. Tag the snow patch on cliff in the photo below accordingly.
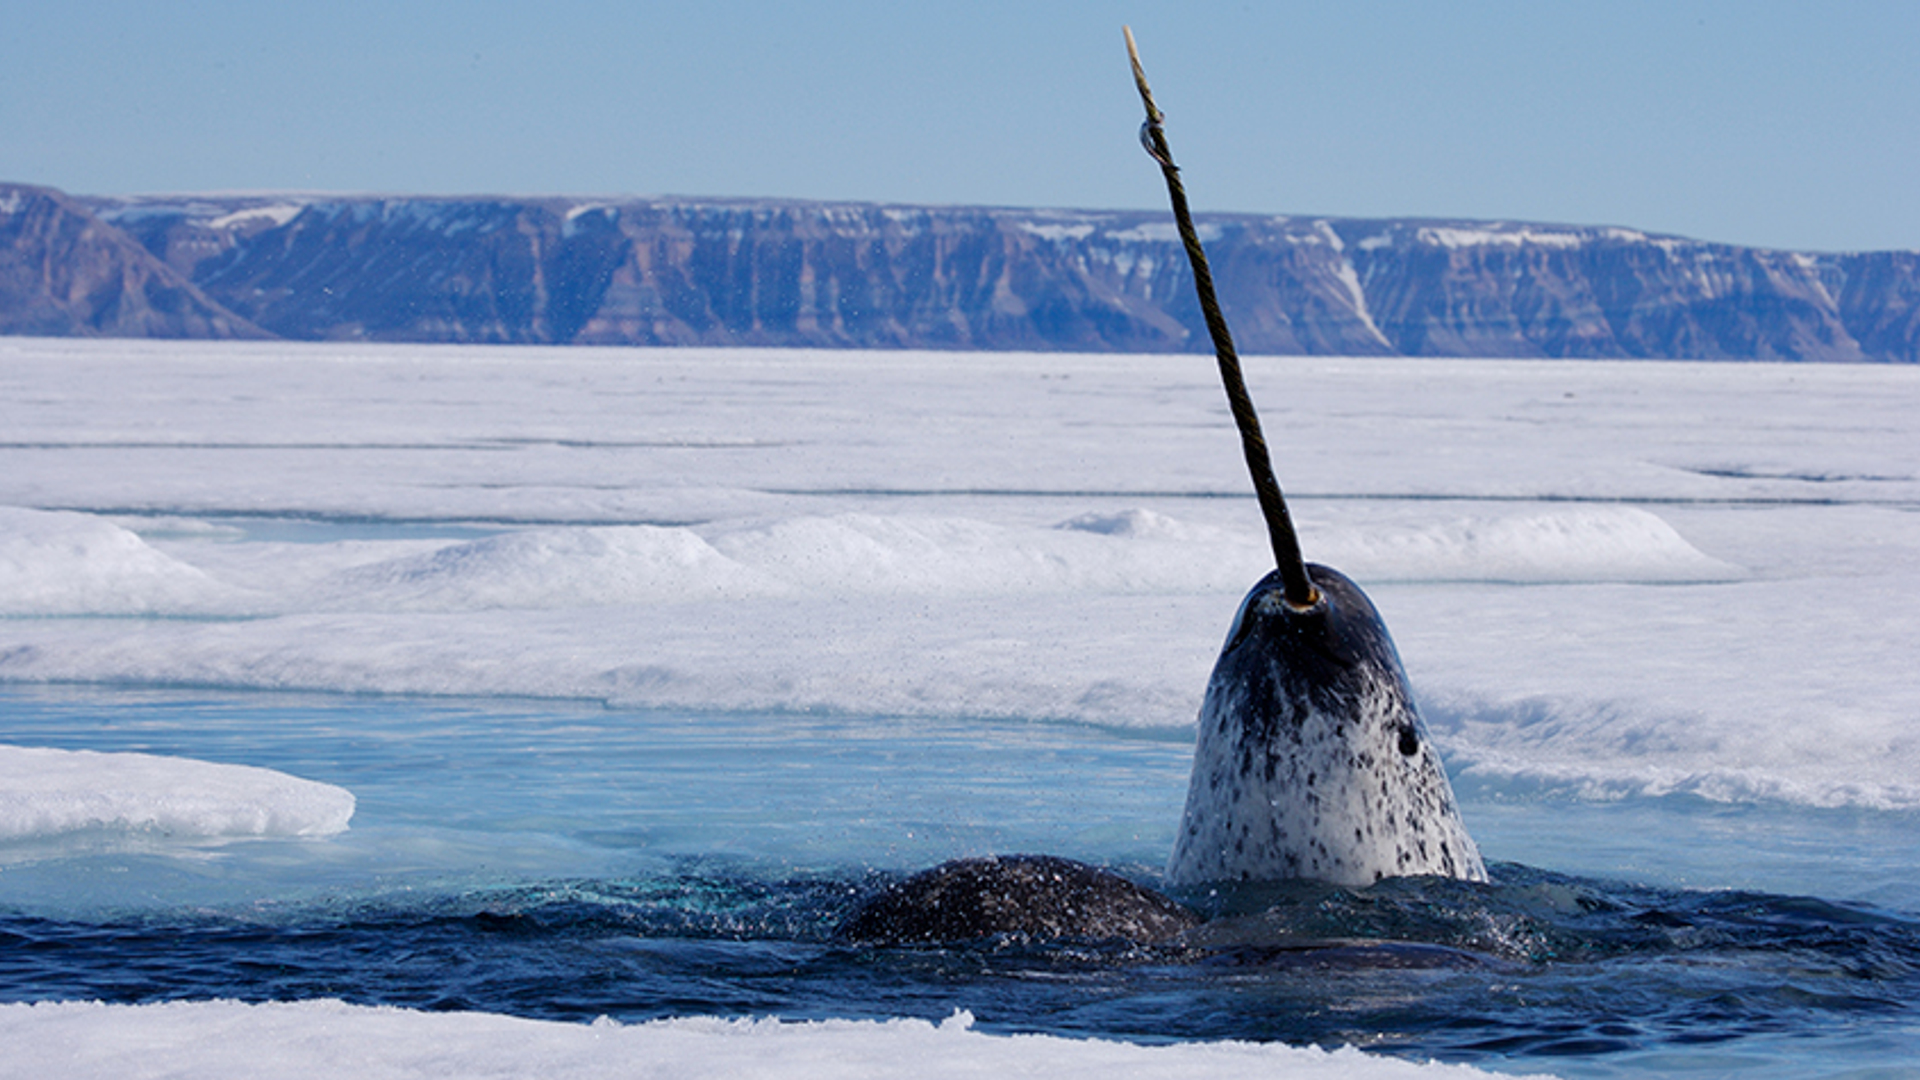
(1057, 233)
(1461, 238)
(274, 216)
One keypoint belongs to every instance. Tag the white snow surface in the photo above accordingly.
(1619, 577)
(49, 792)
(216, 1040)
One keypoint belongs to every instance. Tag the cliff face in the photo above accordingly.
(838, 275)
(660, 272)
(1459, 289)
(1879, 299)
(65, 273)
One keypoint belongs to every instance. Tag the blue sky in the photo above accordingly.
(1785, 125)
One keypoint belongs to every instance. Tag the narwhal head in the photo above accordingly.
(1312, 761)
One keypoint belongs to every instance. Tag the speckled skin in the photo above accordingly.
(1312, 761)
(1017, 897)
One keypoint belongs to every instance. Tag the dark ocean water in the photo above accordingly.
(566, 861)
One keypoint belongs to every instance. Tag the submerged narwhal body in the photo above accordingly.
(1311, 763)
(1311, 760)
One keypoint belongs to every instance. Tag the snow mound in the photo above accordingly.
(1132, 552)
(868, 553)
(1141, 551)
(1590, 544)
(549, 568)
(58, 563)
(61, 563)
(1138, 524)
(47, 792)
(215, 1039)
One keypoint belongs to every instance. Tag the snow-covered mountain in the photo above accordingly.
(682, 271)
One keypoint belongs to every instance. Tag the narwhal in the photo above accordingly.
(1311, 762)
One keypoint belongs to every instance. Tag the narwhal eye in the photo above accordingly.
(1409, 741)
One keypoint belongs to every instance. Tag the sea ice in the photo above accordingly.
(1610, 576)
(47, 792)
(216, 1039)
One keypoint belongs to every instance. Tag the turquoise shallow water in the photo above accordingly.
(565, 860)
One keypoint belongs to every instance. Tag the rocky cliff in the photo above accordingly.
(65, 273)
(842, 275)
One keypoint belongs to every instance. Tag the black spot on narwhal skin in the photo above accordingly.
(1311, 760)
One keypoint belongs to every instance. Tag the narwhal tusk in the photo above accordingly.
(1299, 589)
